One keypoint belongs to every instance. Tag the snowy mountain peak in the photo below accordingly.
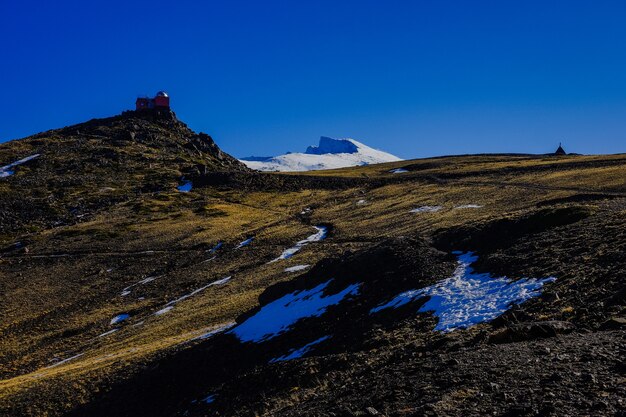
(329, 154)
(330, 145)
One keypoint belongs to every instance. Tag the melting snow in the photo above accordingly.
(399, 171)
(126, 290)
(296, 268)
(320, 235)
(361, 202)
(164, 310)
(5, 171)
(215, 331)
(185, 187)
(298, 353)
(468, 206)
(278, 316)
(426, 209)
(244, 243)
(208, 260)
(65, 360)
(468, 298)
(169, 306)
(108, 333)
(216, 247)
(120, 318)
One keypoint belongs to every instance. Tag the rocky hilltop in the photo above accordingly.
(79, 170)
(143, 272)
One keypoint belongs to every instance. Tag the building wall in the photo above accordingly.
(162, 101)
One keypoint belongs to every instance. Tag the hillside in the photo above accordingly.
(80, 170)
(453, 286)
(329, 154)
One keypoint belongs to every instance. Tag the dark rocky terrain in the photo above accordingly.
(95, 228)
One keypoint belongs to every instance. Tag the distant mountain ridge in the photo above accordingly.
(329, 154)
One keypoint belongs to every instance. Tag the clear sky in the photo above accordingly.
(415, 78)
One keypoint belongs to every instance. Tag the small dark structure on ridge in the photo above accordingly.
(161, 100)
(560, 150)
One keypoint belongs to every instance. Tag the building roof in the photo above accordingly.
(560, 151)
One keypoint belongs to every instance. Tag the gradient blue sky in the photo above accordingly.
(415, 78)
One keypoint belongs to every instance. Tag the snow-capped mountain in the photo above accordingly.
(329, 154)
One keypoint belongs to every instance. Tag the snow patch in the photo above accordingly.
(169, 306)
(216, 247)
(468, 298)
(185, 187)
(399, 171)
(426, 209)
(296, 268)
(278, 316)
(119, 318)
(65, 361)
(209, 399)
(298, 353)
(322, 231)
(6, 171)
(468, 206)
(244, 243)
(127, 291)
(164, 310)
(108, 333)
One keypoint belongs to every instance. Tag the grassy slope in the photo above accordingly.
(56, 306)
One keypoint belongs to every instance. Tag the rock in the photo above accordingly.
(493, 387)
(590, 378)
(453, 362)
(372, 411)
(614, 323)
(520, 410)
(532, 330)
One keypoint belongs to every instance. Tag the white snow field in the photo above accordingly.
(330, 154)
(278, 316)
(468, 298)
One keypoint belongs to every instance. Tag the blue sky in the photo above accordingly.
(415, 78)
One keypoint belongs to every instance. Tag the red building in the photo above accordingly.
(161, 100)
